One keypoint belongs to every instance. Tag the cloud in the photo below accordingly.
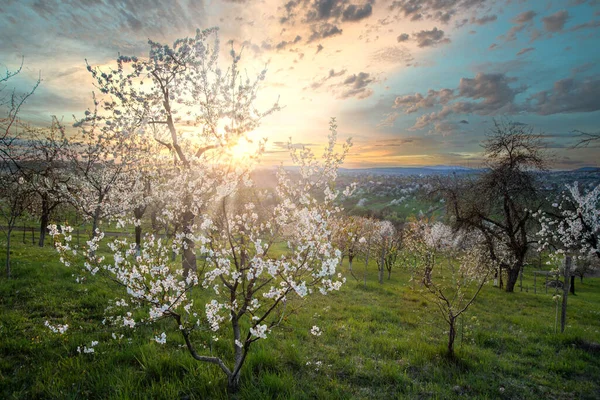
(101, 27)
(324, 31)
(524, 17)
(319, 48)
(392, 54)
(438, 10)
(556, 21)
(585, 25)
(522, 21)
(430, 38)
(403, 37)
(332, 74)
(285, 145)
(485, 94)
(283, 44)
(356, 13)
(494, 94)
(493, 89)
(483, 20)
(356, 86)
(324, 17)
(395, 142)
(526, 50)
(567, 96)
(582, 68)
(416, 102)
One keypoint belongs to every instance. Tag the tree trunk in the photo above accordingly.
(567, 281)
(138, 213)
(367, 261)
(513, 276)
(95, 220)
(45, 218)
(573, 284)
(138, 238)
(8, 253)
(233, 379)
(188, 259)
(381, 267)
(350, 258)
(451, 335)
(154, 221)
(233, 383)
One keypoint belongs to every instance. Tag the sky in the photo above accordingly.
(413, 82)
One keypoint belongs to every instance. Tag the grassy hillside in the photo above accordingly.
(378, 341)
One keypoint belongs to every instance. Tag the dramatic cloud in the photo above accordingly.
(568, 96)
(324, 31)
(494, 94)
(416, 102)
(430, 38)
(324, 16)
(492, 89)
(356, 86)
(356, 13)
(438, 10)
(486, 94)
(556, 21)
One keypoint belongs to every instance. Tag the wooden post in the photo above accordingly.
(566, 284)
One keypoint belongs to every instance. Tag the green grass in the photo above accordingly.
(379, 341)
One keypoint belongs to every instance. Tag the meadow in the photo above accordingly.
(378, 341)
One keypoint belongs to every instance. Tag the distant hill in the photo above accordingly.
(433, 170)
(587, 169)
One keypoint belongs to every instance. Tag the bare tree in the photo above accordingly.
(500, 202)
(586, 138)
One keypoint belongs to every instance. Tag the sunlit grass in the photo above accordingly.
(379, 341)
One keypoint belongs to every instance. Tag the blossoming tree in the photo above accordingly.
(437, 250)
(572, 230)
(180, 98)
(574, 224)
(250, 286)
